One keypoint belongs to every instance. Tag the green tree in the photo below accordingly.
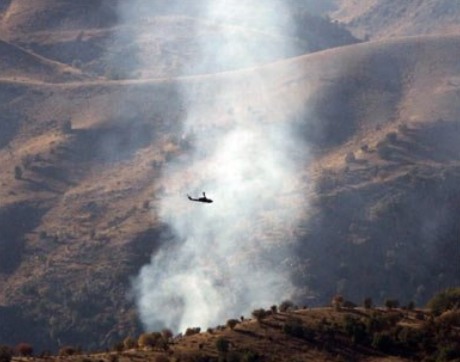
(445, 300)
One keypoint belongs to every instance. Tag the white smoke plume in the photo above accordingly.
(228, 258)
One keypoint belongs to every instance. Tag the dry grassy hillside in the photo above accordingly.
(22, 16)
(323, 334)
(80, 218)
(159, 40)
(380, 19)
(20, 65)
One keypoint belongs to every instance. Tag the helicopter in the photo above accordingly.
(201, 199)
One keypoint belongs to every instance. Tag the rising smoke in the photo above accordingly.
(229, 256)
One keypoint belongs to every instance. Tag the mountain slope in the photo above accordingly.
(162, 40)
(16, 63)
(379, 19)
(89, 193)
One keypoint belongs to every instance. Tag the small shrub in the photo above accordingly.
(192, 331)
(250, 356)
(411, 306)
(66, 126)
(118, 347)
(293, 327)
(6, 353)
(129, 343)
(24, 349)
(146, 340)
(222, 344)
(66, 351)
(337, 302)
(391, 303)
(382, 342)
(167, 334)
(18, 173)
(354, 328)
(403, 128)
(232, 323)
(27, 161)
(384, 151)
(274, 309)
(350, 157)
(445, 300)
(349, 304)
(449, 353)
(286, 305)
(391, 137)
(367, 303)
(259, 314)
(161, 358)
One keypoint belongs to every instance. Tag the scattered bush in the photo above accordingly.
(24, 349)
(411, 337)
(391, 137)
(18, 173)
(27, 161)
(161, 358)
(367, 303)
(167, 334)
(129, 343)
(259, 314)
(66, 126)
(445, 300)
(222, 344)
(232, 323)
(337, 302)
(354, 328)
(349, 304)
(147, 340)
(384, 151)
(449, 353)
(293, 327)
(77, 63)
(6, 353)
(391, 303)
(350, 157)
(192, 331)
(67, 351)
(382, 342)
(286, 305)
(118, 347)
